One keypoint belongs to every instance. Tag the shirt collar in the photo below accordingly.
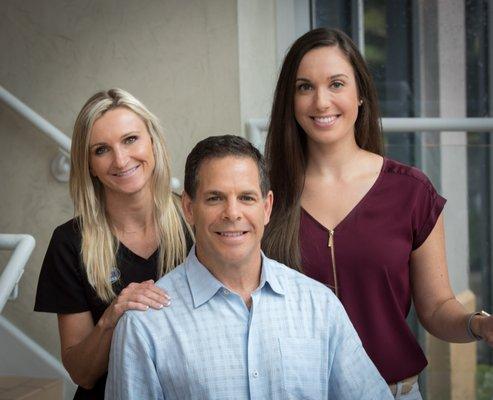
(268, 275)
(204, 285)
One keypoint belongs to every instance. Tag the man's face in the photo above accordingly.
(228, 212)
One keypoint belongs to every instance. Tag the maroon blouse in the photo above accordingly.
(372, 246)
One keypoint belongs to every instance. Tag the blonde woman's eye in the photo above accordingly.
(130, 139)
(337, 84)
(100, 150)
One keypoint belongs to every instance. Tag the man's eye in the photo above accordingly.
(247, 198)
(213, 199)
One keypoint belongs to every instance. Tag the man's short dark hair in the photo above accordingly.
(219, 147)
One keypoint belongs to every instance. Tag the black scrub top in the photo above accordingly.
(63, 287)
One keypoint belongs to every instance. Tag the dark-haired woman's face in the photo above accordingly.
(326, 96)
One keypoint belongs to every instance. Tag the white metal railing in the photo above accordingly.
(257, 128)
(437, 124)
(22, 246)
(37, 120)
(60, 166)
(22, 356)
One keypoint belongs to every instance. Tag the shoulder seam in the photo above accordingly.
(424, 180)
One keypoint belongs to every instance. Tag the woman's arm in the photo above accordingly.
(85, 347)
(438, 310)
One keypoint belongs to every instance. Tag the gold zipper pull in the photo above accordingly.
(331, 238)
(332, 255)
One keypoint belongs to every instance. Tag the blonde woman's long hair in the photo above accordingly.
(99, 245)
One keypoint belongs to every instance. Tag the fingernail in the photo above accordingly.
(160, 306)
(147, 307)
(168, 303)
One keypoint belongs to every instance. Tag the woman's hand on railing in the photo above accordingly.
(481, 325)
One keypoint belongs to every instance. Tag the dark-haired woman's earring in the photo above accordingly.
(360, 102)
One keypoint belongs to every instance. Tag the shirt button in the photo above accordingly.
(255, 374)
(225, 292)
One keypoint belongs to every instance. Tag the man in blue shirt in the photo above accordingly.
(241, 326)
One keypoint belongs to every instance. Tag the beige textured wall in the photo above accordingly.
(257, 57)
(180, 57)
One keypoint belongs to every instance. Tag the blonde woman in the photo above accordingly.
(128, 231)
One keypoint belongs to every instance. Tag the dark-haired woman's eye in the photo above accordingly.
(337, 84)
(303, 87)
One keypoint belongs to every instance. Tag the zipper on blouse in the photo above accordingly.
(334, 270)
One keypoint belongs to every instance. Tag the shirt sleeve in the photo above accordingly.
(61, 280)
(428, 206)
(352, 374)
(131, 372)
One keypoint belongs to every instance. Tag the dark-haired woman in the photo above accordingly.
(367, 226)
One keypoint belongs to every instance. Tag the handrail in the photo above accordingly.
(37, 120)
(412, 124)
(256, 127)
(437, 124)
(23, 246)
(60, 165)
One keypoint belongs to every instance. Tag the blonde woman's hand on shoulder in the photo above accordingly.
(136, 296)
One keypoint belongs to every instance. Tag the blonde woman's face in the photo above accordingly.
(121, 154)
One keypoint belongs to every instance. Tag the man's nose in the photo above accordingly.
(232, 210)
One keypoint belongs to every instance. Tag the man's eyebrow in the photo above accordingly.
(249, 192)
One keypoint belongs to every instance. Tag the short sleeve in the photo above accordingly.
(61, 280)
(428, 206)
(132, 371)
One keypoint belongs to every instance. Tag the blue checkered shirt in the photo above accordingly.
(295, 342)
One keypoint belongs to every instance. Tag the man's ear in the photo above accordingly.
(186, 204)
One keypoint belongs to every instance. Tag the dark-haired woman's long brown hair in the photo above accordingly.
(286, 149)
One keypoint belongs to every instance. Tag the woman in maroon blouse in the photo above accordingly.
(366, 226)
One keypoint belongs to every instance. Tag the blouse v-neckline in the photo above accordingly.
(357, 206)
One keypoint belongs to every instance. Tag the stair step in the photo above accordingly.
(25, 388)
